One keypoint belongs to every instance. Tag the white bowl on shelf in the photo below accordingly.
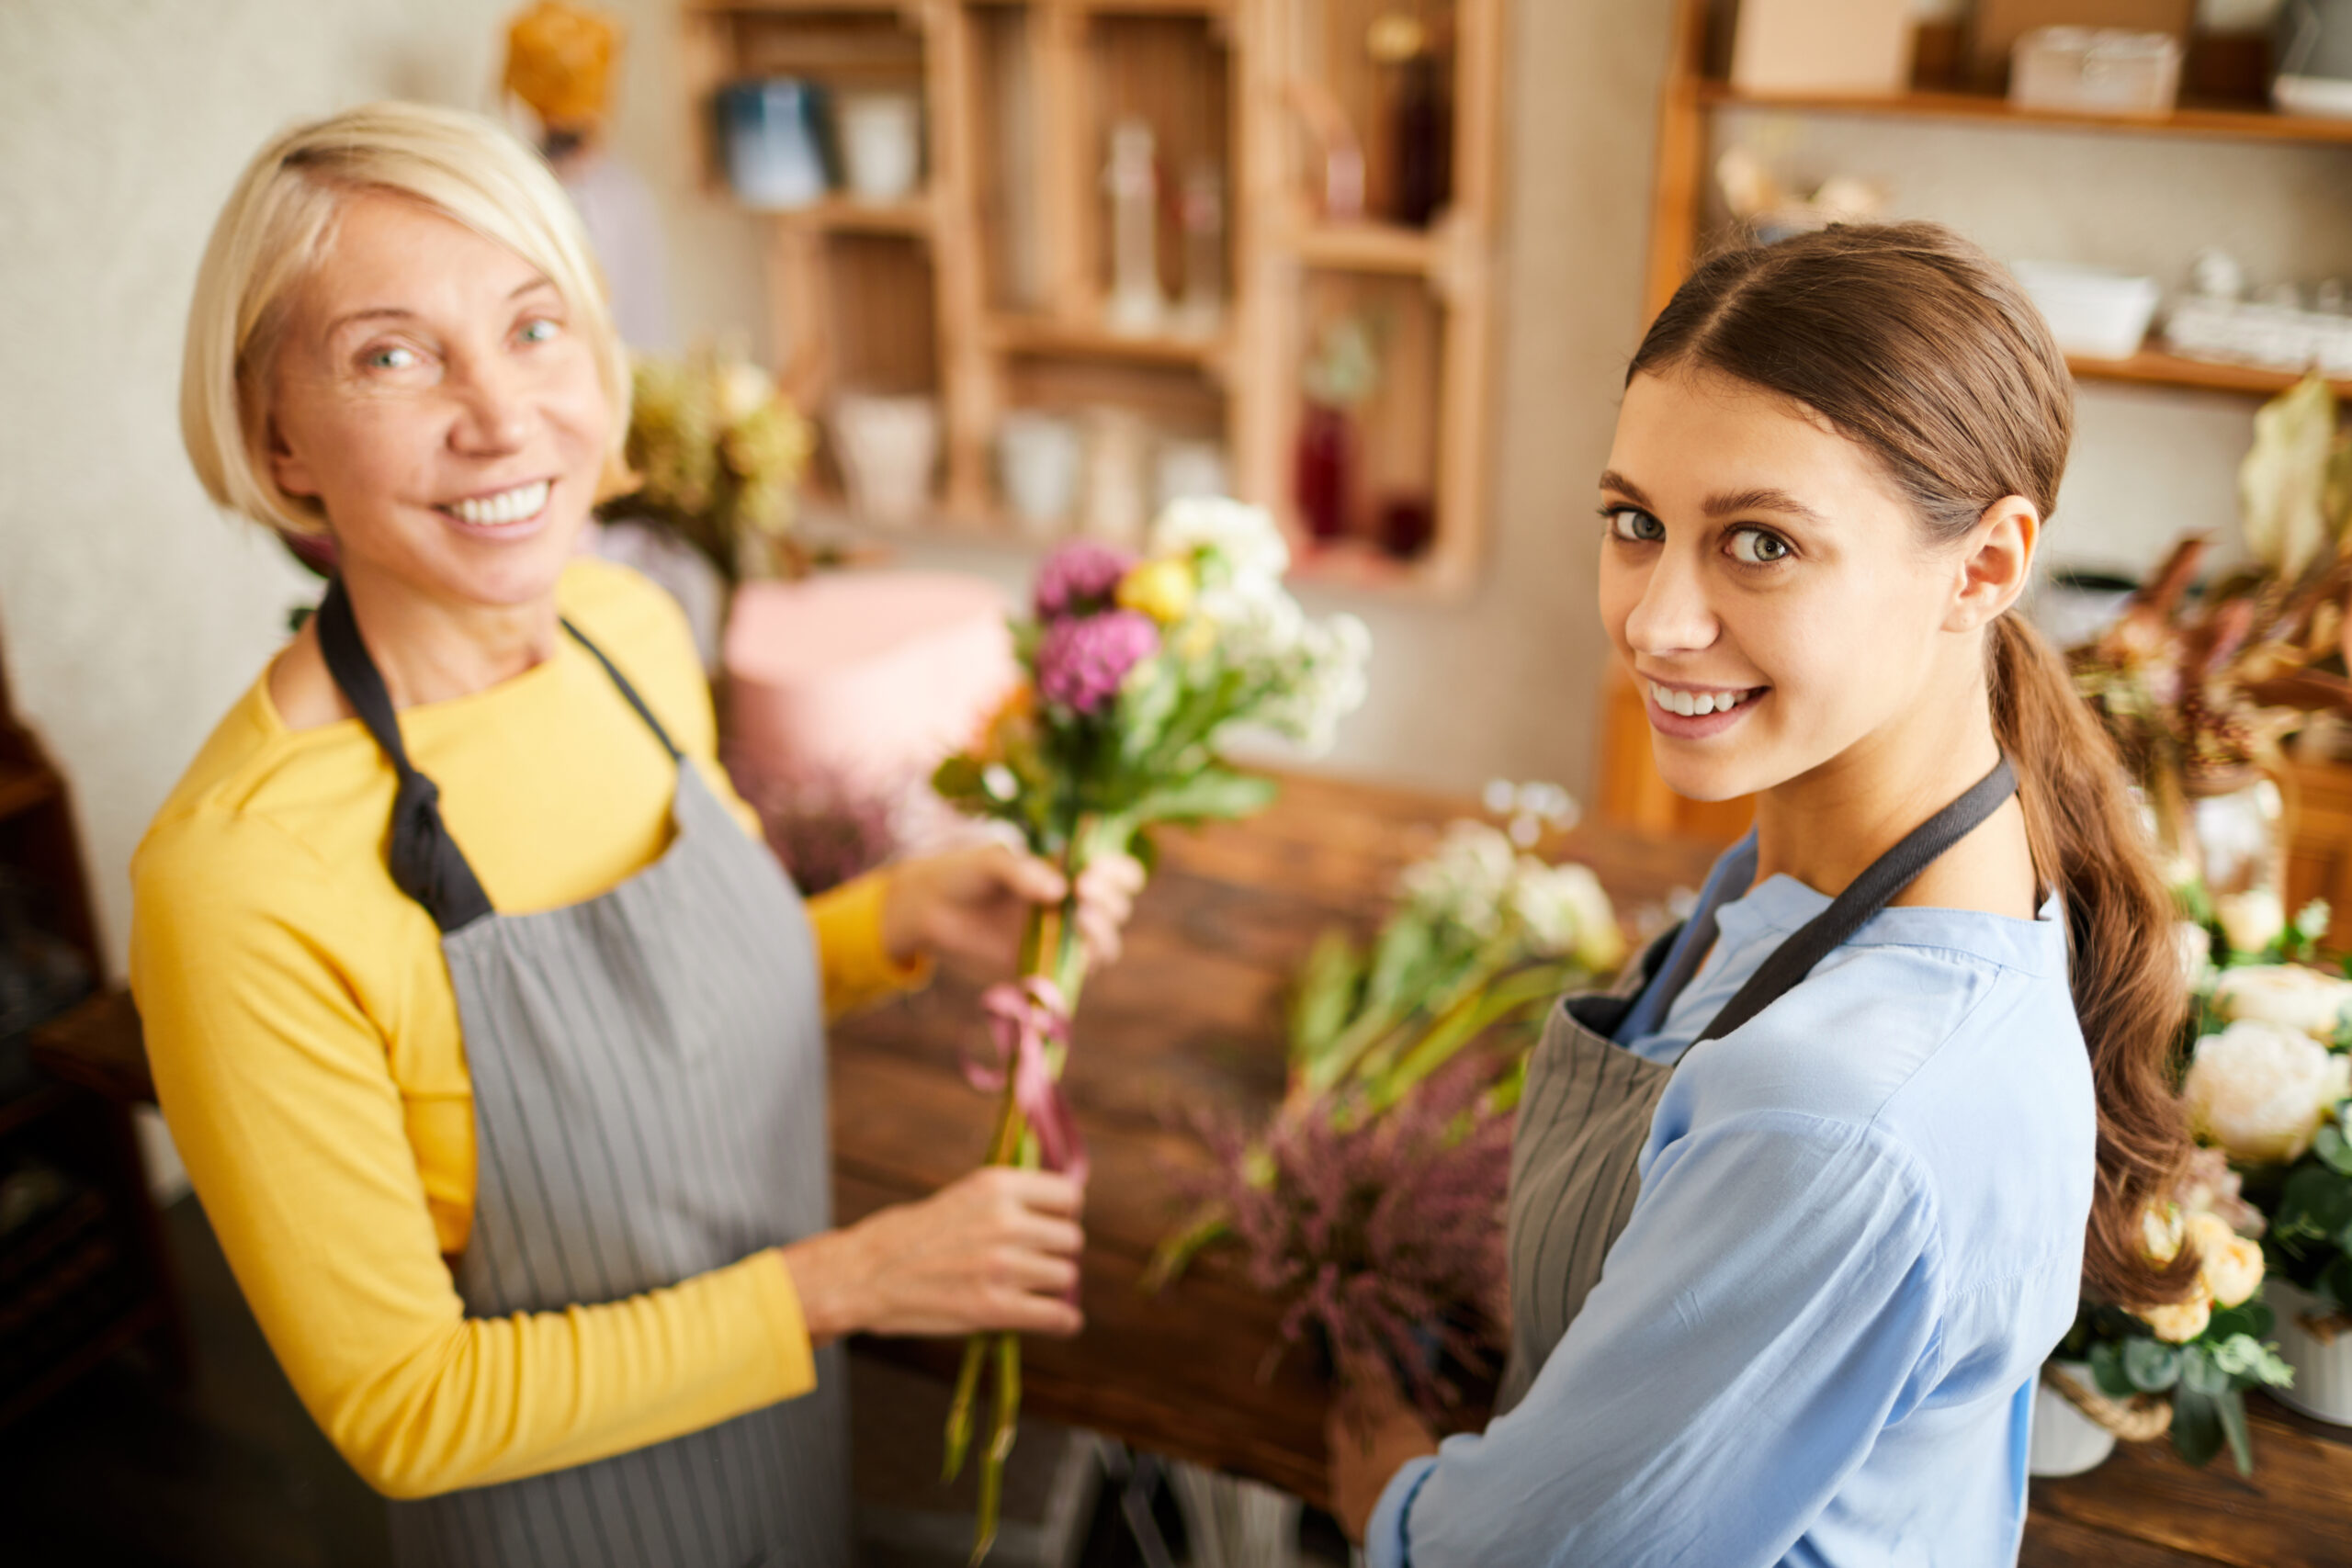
(2091, 311)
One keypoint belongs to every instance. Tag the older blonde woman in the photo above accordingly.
(491, 1033)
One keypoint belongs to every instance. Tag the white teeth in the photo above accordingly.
(1695, 705)
(508, 506)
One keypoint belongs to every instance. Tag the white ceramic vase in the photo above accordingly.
(2065, 1441)
(2323, 1368)
(1038, 457)
(887, 447)
(881, 142)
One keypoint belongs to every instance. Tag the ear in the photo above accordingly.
(1996, 561)
(289, 469)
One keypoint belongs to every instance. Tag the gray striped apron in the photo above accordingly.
(1586, 1111)
(648, 1083)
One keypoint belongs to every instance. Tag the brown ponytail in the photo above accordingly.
(1916, 345)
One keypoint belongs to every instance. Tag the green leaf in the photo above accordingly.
(1329, 985)
(2150, 1365)
(2200, 1373)
(1213, 793)
(2232, 1407)
(2331, 1146)
(2106, 1369)
(2197, 1434)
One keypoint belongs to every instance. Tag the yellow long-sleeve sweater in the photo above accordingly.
(307, 1051)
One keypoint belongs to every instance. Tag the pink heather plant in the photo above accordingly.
(1081, 661)
(1384, 1238)
(1079, 578)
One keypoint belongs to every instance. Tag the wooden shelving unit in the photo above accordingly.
(986, 291)
(1628, 787)
(85, 1275)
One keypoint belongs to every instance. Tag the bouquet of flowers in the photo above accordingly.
(1141, 672)
(1371, 1201)
(719, 454)
(2186, 1366)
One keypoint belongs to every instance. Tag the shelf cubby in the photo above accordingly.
(988, 291)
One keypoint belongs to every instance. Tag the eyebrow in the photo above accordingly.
(401, 313)
(1761, 498)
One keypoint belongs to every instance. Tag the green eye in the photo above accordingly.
(1756, 547)
(392, 358)
(1632, 525)
(539, 329)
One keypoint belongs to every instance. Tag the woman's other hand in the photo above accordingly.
(997, 1249)
(972, 903)
(1370, 1434)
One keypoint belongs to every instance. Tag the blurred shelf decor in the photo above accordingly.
(1101, 277)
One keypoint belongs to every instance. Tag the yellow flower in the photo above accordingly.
(2161, 1230)
(2229, 1265)
(1160, 589)
(2179, 1322)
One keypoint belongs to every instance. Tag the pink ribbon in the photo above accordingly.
(1022, 1018)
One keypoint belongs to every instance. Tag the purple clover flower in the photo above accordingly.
(1082, 660)
(1079, 576)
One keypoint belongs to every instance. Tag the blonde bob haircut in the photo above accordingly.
(277, 225)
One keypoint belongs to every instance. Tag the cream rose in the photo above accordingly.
(2285, 994)
(2260, 1090)
(2229, 1265)
(2179, 1322)
(2251, 920)
(2196, 953)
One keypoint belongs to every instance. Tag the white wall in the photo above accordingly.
(132, 617)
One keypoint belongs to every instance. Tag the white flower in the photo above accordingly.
(2260, 1090)
(2162, 1227)
(1465, 881)
(1257, 623)
(2230, 1266)
(742, 389)
(2251, 920)
(2196, 953)
(2311, 919)
(2285, 994)
(1566, 913)
(1245, 538)
(1324, 683)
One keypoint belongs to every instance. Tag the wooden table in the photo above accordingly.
(1192, 1020)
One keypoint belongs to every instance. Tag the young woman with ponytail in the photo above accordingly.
(1798, 1210)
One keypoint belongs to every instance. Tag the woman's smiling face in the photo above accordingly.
(430, 394)
(1771, 592)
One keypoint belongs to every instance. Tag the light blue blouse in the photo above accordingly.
(1858, 1233)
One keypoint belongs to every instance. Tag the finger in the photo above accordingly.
(1043, 1233)
(1099, 935)
(1021, 1269)
(1038, 881)
(1026, 1312)
(1049, 1193)
(1120, 874)
(1113, 905)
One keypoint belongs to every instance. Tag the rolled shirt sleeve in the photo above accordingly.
(1772, 1306)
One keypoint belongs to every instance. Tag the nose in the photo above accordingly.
(493, 407)
(1672, 615)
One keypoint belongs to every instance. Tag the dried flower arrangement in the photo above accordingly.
(718, 452)
(1371, 1201)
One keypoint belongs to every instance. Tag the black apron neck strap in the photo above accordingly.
(1871, 892)
(425, 861)
(621, 682)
